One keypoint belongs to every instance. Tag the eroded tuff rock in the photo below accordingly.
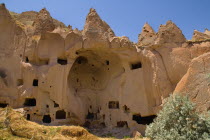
(198, 36)
(96, 31)
(43, 22)
(147, 36)
(93, 78)
(196, 82)
(169, 33)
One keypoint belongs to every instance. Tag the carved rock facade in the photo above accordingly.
(65, 76)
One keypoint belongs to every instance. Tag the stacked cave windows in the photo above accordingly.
(136, 65)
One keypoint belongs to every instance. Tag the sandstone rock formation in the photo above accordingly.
(196, 82)
(198, 36)
(91, 77)
(147, 36)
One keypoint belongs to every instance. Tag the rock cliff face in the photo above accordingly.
(91, 77)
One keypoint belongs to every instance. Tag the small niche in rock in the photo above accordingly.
(27, 60)
(126, 109)
(62, 61)
(28, 117)
(136, 65)
(19, 82)
(44, 62)
(30, 102)
(47, 106)
(55, 104)
(3, 74)
(60, 114)
(143, 120)
(3, 105)
(46, 119)
(107, 62)
(81, 60)
(90, 116)
(122, 124)
(113, 104)
(35, 82)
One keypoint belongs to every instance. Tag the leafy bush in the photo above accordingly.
(178, 120)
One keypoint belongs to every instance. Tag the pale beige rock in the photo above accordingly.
(207, 32)
(198, 36)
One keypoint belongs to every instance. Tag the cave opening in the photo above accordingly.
(143, 120)
(107, 62)
(19, 82)
(90, 116)
(81, 60)
(30, 102)
(60, 114)
(46, 119)
(55, 104)
(122, 124)
(113, 104)
(3, 105)
(3, 74)
(62, 61)
(28, 117)
(35, 82)
(136, 65)
(27, 60)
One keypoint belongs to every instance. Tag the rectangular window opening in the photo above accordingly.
(136, 65)
(62, 61)
(30, 102)
(35, 82)
(113, 104)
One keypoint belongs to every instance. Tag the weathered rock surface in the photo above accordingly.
(198, 36)
(196, 82)
(147, 36)
(93, 78)
(43, 22)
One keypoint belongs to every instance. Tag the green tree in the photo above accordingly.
(178, 120)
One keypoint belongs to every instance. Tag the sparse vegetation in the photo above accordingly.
(178, 120)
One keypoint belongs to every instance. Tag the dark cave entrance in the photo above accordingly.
(143, 120)
(136, 65)
(28, 117)
(30, 102)
(60, 114)
(122, 124)
(62, 61)
(46, 119)
(3, 105)
(35, 82)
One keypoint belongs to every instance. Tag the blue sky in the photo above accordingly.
(126, 17)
